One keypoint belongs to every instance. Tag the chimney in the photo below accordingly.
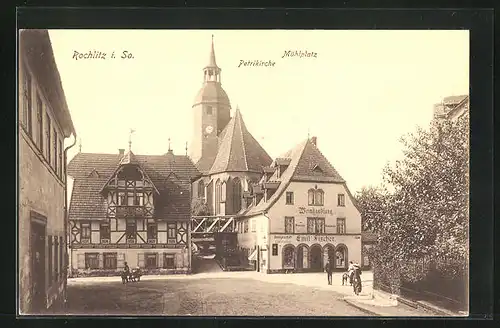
(314, 140)
(121, 151)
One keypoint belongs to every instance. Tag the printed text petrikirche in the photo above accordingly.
(95, 54)
(261, 63)
(299, 54)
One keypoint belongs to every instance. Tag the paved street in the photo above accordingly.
(211, 295)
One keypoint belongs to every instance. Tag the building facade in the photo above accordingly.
(44, 124)
(301, 216)
(452, 107)
(130, 208)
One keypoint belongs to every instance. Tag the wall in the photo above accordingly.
(279, 210)
(40, 190)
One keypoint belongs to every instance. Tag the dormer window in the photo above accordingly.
(316, 197)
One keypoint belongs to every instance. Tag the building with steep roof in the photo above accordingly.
(452, 107)
(44, 124)
(130, 208)
(301, 215)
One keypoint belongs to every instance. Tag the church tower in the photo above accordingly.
(211, 111)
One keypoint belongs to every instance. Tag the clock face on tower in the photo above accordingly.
(209, 129)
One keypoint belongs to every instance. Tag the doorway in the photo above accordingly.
(316, 258)
(38, 231)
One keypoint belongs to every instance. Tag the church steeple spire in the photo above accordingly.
(211, 72)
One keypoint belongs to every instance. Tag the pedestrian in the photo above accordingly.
(328, 270)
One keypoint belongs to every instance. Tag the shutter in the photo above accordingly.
(101, 260)
(140, 260)
(120, 260)
(81, 261)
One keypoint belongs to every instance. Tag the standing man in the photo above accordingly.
(329, 269)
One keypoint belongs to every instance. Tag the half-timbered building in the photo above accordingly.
(130, 208)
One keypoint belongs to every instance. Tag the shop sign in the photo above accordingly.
(303, 238)
(315, 211)
(121, 246)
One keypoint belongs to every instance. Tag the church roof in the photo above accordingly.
(238, 150)
(171, 175)
(212, 62)
(307, 163)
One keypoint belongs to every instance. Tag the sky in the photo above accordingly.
(358, 96)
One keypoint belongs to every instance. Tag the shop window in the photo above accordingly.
(289, 198)
(168, 261)
(288, 257)
(110, 261)
(91, 260)
(289, 224)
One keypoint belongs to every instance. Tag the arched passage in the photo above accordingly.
(316, 258)
(302, 256)
(329, 253)
(341, 257)
(288, 255)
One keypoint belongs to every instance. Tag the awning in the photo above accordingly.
(253, 256)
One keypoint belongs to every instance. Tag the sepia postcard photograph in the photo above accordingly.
(249, 173)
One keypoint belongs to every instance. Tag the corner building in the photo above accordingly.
(290, 214)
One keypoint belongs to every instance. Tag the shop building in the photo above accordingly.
(130, 208)
(44, 125)
(302, 214)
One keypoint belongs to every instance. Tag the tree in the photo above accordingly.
(199, 207)
(426, 213)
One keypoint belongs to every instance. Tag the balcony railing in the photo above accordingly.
(132, 211)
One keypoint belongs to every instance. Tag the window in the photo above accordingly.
(340, 225)
(39, 117)
(130, 199)
(110, 261)
(139, 199)
(85, 230)
(341, 200)
(55, 150)
(27, 108)
(201, 189)
(168, 261)
(315, 197)
(152, 231)
(171, 233)
(50, 269)
(254, 225)
(105, 231)
(236, 195)
(209, 110)
(61, 164)
(151, 261)
(56, 259)
(131, 230)
(91, 260)
(275, 250)
(245, 226)
(288, 257)
(315, 225)
(121, 199)
(218, 197)
(289, 197)
(289, 224)
(48, 132)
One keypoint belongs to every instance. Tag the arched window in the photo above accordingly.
(316, 197)
(201, 189)
(310, 194)
(236, 194)
(218, 196)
